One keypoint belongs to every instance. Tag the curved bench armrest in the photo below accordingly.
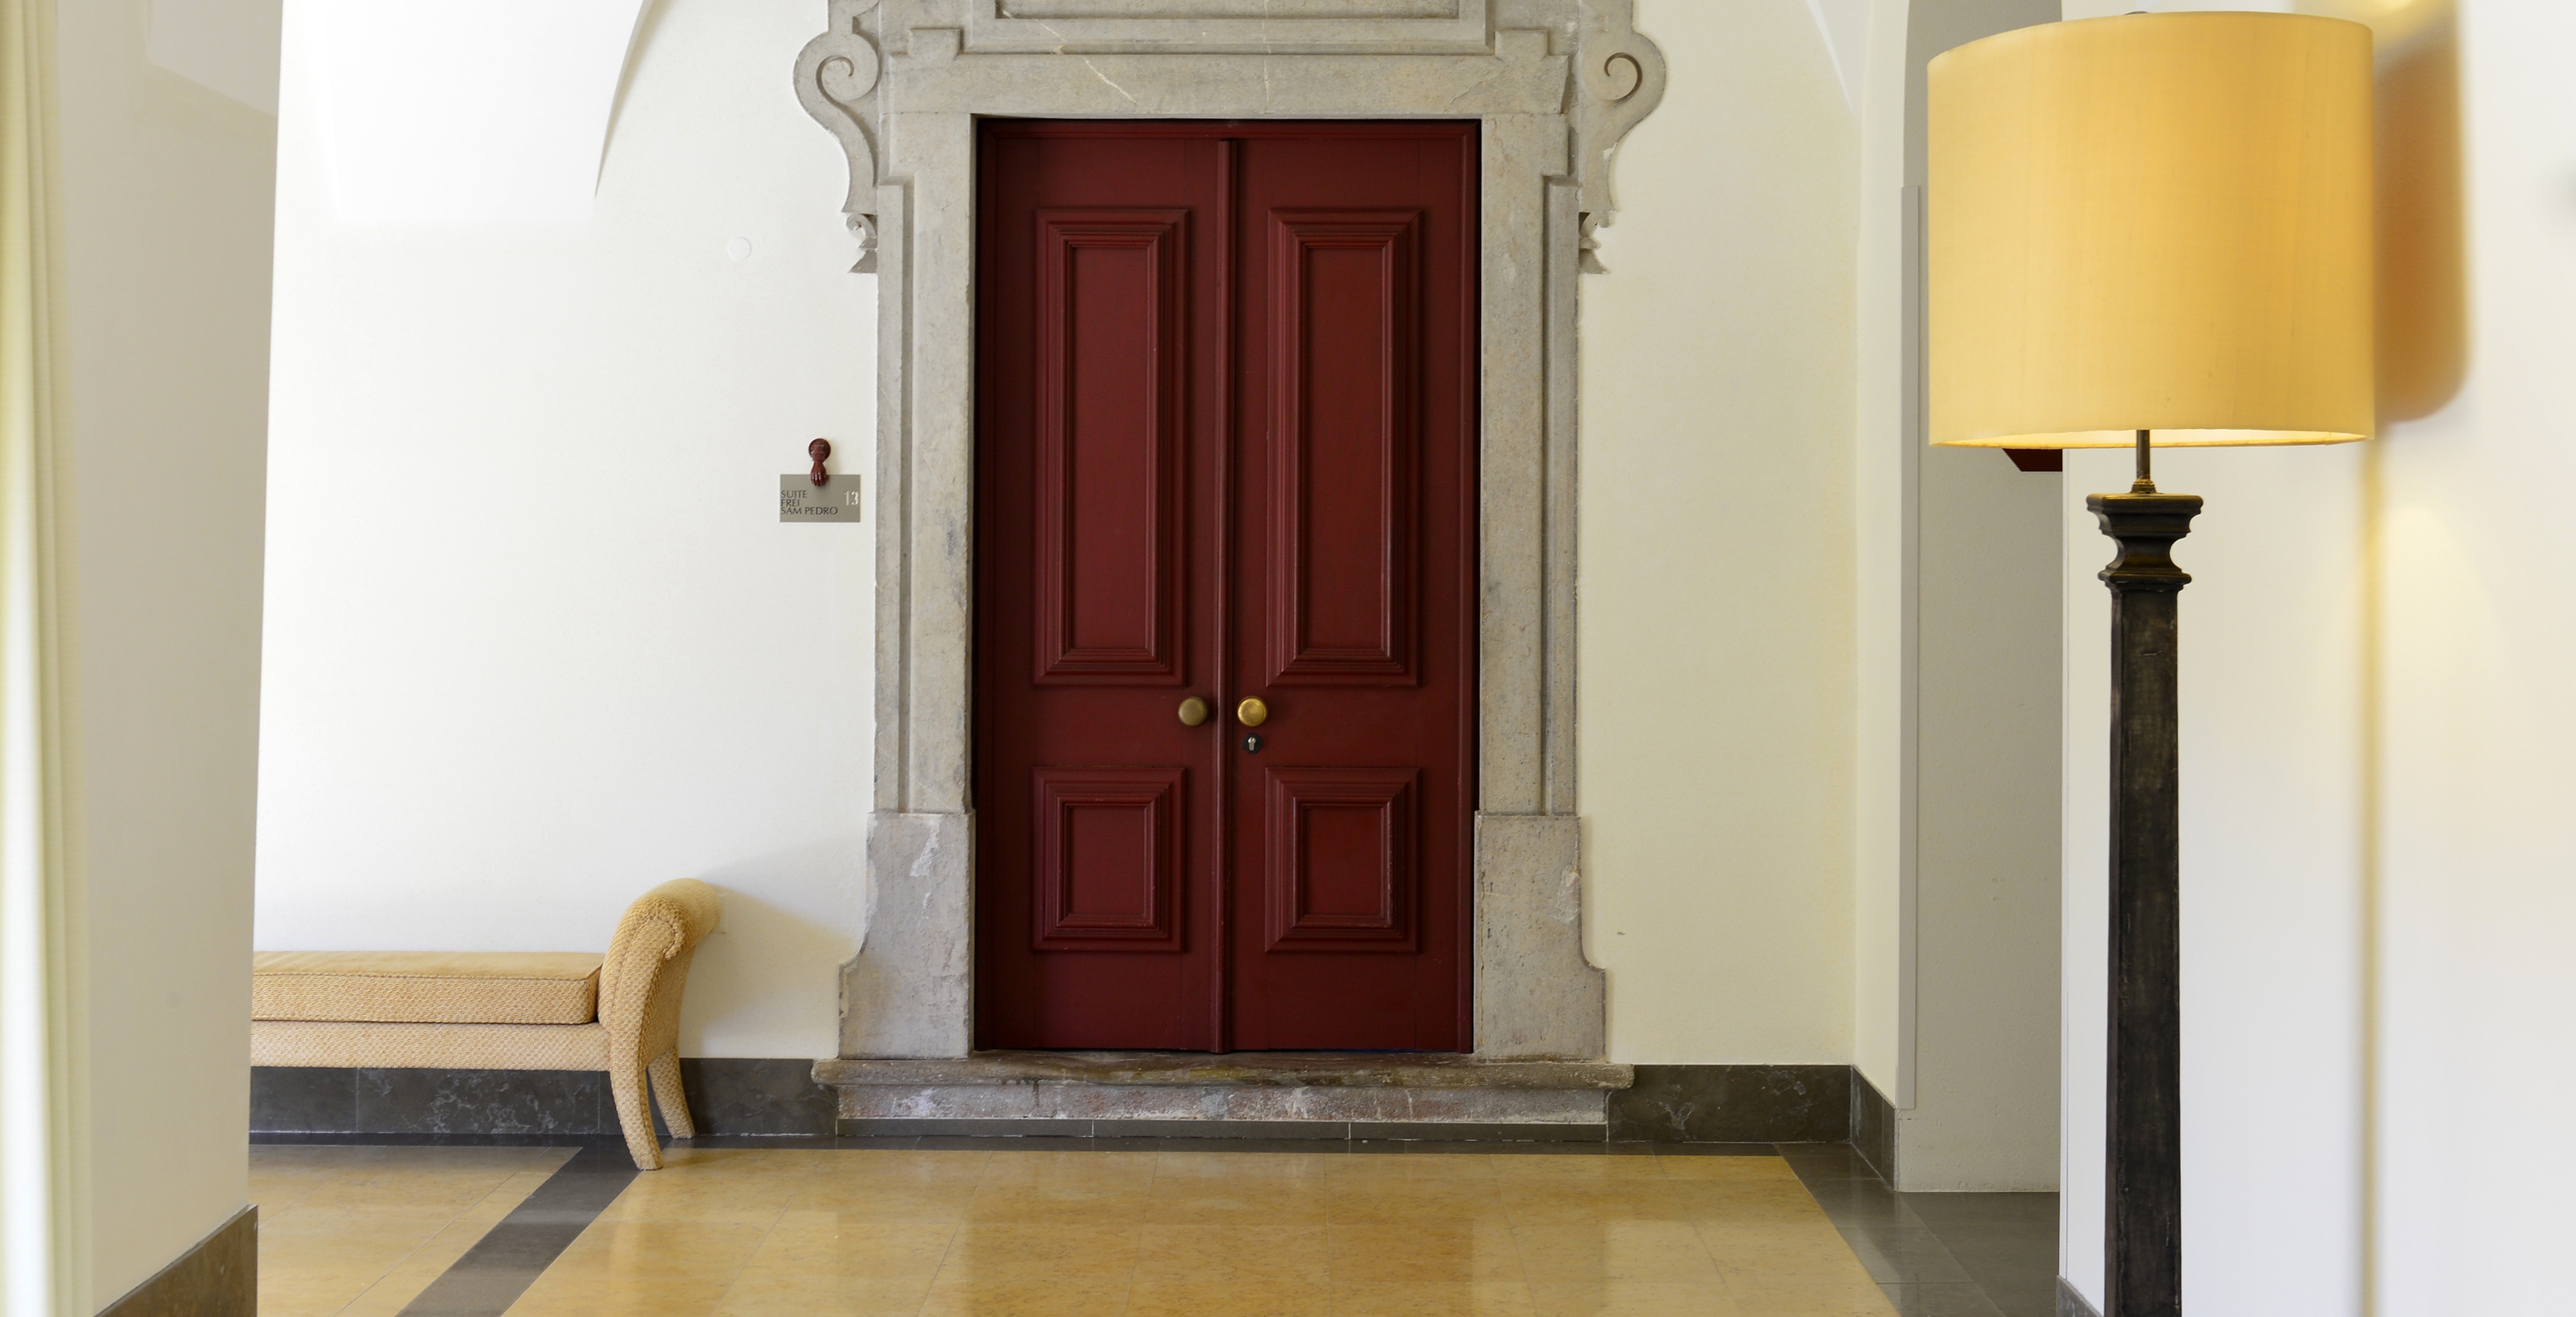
(648, 966)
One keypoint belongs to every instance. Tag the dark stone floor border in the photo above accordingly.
(217, 1277)
(515, 1251)
(1938, 1254)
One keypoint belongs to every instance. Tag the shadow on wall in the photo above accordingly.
(768, 970)
(2423, 352)
(2423, 300)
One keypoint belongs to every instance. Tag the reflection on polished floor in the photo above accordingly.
(731, 1230)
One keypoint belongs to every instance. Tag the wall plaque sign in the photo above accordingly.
(800, 499)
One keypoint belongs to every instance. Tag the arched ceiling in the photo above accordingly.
(475, 112)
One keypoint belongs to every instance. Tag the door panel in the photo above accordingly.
(1109, 444)
(1342, 379)
(1343, 860)
(1225, 449)
(1108, 858)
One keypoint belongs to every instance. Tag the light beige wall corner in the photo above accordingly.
(1955, 830)
(1716, 523)
(1883, 545)
(167, 192)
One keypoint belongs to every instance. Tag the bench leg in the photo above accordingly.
(635, 1116)
(668, 1095)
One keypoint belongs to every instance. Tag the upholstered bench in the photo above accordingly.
(503, 1010)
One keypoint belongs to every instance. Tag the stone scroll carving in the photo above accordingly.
(1618, 74)
(836, 79)
(1619, 79)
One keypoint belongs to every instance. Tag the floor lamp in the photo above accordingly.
(2147, 230)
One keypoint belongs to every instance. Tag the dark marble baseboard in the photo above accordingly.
(2070, 1303)
(1734, 1104)
(1873, 1126)
(727, 1096)
(219, 1277)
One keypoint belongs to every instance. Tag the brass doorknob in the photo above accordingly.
(1193, 711)
(1252, 713)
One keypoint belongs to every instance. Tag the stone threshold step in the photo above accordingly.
(1273, 1131)
(1423, 1070)
(1168, 1087)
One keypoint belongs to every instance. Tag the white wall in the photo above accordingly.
(166, 204)
(2477, 626)
(1716, 594)
(1956, 829)
(2375, 859)
(535, 638)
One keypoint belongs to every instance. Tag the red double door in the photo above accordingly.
(1226, 399)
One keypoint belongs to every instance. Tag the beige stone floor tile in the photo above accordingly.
(1622, 1298)
(316, 1260)
(1619, 1200)
(887, 1200)
(1223, 1165)
(1408, 1166)
(767, 1163)
(1665, 1251)
(912, 1165)
(726, 1201)
(1549, 1168)
(1436, 1299)
(1207, 1200)
(1453, 1251)
(1026, 1298)
(306, 1294)
(642, 1269)
(367, 1178)
(1246, 1255)
(1793, 1299)
(998, 1252)
(1734, 1170)
(829, 1244)
(448, 1192)
(1068, 1204)
(794, 1294)
(1203, 1299)
(1134, 1169)
(1414, 1200)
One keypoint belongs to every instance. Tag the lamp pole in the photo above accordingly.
(2142, 1226)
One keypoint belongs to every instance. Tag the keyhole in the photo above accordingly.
(1252, 745)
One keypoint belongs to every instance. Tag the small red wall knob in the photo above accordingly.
(818, 450)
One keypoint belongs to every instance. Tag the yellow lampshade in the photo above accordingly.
(2152, 222)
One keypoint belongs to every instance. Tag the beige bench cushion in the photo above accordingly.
(426, 987)
(439, 1046)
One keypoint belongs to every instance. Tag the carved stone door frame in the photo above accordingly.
(1555, 84)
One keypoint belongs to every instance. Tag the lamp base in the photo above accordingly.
(2142, 1226)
